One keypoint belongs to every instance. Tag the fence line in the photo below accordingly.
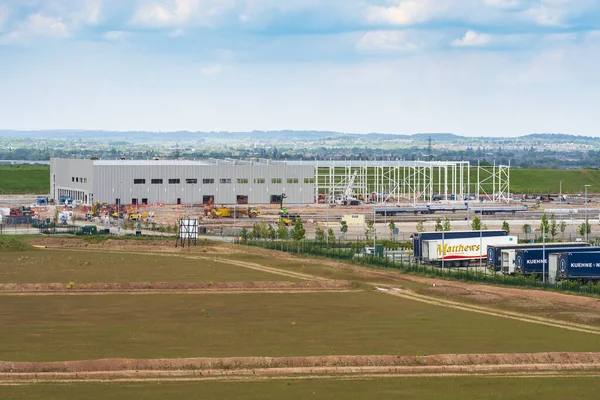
(355, 253)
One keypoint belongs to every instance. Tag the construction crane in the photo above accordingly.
(347, 198)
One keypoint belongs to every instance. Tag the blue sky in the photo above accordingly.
(473, 67)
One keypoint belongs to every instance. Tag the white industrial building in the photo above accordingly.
(261, 181)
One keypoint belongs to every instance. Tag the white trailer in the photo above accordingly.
(460, 252)
(508, 261)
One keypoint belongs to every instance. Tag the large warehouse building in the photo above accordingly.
(261, 181)
(181, 182)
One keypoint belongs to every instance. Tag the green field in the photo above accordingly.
(454, 388)
(73, 327)
(26, 179)
(548, 181)
(54, 266)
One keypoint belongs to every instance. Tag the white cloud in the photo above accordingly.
(505, 4)
(212, 69)
(115, 35)
(3, 15)
(179, 12)
(176, 33)
(405, 13)
(472, 38)
(396, 41)
(36, 25)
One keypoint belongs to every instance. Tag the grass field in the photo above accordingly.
(54, 266)
(455, 388)
(72, 327)
(30, 179)
(548, 181)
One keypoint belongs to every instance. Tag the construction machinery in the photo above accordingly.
(229, 212)
(21, 212)
(347, 199)
(287, 218)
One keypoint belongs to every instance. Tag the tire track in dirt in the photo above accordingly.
(406, 294)
(355, 372)
(214, 258)
(195, 292)
(508, 313)
(262, 268)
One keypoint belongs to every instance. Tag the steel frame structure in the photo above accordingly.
(412, 181)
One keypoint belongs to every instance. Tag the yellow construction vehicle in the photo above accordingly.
(289, 219)
(229, 212)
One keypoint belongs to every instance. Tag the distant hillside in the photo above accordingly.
(556, 137)
(274, 136)
(440, 137)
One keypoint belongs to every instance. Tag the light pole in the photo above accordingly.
(586, 217)
(560, 190)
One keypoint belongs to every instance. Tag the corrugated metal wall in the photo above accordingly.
(116, 181)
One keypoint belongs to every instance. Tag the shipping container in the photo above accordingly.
(418, 238)
(569, 265)
(532, 261)
(459, 252)
(494, 253)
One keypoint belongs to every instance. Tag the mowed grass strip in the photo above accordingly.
(449, 388)
(57, 328)
(54, 266)
(305, 267)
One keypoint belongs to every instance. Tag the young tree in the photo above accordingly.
(562, 227)
(330, 236)
(255, 233)
(344, 227)
(392, 226)
(584, 228)
(544, 225)
(298, 231)
(526, 229)
(244, 235)
(506, 227)
(553, 228)
(447, 224)
(282, 231)
(476, 224)
(55, 216)
(319, 234)
(438, 225)
(484, 227)
(420, 227)
(370, 230)
(263, 230)
(272, 232)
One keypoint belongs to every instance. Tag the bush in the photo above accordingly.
(12, 243)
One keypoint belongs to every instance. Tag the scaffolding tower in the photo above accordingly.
(412, 181)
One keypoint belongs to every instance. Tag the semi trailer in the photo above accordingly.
(494, 253)
(419, 237)
(460, 252)
(533, 261)
(569, 265)
(491, 210)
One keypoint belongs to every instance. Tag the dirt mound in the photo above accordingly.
(144, 244)
(591, 360)
(175, 286)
